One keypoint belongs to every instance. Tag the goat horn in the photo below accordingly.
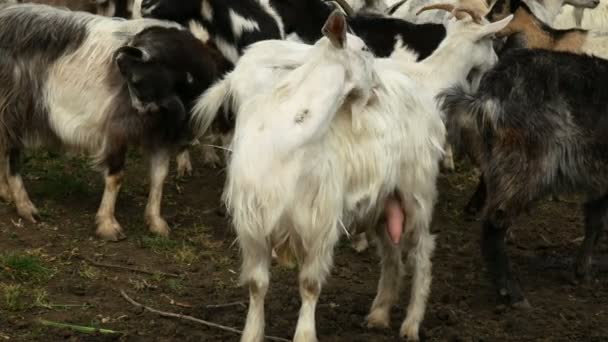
(346, 7)
(473, 14)
(445, 7)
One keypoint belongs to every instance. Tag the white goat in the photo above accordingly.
(409, 10)
(588, 19)
(297, 178)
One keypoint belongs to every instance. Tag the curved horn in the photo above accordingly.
(346, 7)
(445, 7)
(476, 17)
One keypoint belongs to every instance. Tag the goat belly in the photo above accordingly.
(394, 219)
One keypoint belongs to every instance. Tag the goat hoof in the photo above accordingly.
(29, 213)
(184, 168)
(159, 226)
(378, 319)
(409, 331)
(522, 305)
(360, 243)
(110, 230)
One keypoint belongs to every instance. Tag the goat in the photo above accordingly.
(377, 154)
(98, 85)
(409, 10)
(382, 34)
(542, 115)
(588, 19)
(527, 31)
(109, 8)
(545, 10)
(232, 25)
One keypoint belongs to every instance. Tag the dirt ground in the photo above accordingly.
(54, 283)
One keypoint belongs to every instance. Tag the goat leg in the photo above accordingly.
(595, 216)
(25, 207)
(497, 262)
(159, 168)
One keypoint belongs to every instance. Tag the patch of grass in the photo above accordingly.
(41, 298)
(23, 267)
(13, 297)
(88, 272)
(185, 255)
(159, 244)
(176, 286)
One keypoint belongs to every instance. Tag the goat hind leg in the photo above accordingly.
(313, 272)
(25, 207)
(390, 280)
(493, 248)
(420, 259)
(255, 273)
(595, 216)
(159, 169)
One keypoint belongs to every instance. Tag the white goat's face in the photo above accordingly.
(582, 3)
(475, 40)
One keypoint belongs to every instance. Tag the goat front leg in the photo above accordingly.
(255, 273)
(159, 169)
(108, 227)
(25, 207)
(595, 218)
(184, 164)
(5, 190)
(448, 159)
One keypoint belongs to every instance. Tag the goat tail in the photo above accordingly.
(208, 105)
(461, 109)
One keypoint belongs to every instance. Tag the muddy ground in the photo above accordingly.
(43, 276)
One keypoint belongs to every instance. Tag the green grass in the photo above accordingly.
(159, 244)
(23, 267)
(13, 296)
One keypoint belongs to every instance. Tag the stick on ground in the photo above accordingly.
(127, 268)
(190, 318)
(78, 328)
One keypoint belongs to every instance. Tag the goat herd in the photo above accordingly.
(334, 118)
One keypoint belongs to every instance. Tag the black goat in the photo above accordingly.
(543, 119)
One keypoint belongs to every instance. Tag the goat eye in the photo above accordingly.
(365, 48)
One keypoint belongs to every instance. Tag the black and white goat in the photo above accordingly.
(98, 85)
(382, 34)
(543, 117)
(232, 25)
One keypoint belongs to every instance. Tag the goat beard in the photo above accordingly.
(395, 218)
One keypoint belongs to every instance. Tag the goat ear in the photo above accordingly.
(127, 56)
(335, 29)
(496, 26)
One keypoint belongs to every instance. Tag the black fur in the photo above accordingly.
(220, 25)
(543, 119)
(380, 33)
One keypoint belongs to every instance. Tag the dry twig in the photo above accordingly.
(127, 268)
(193, 319)
(215, 306)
